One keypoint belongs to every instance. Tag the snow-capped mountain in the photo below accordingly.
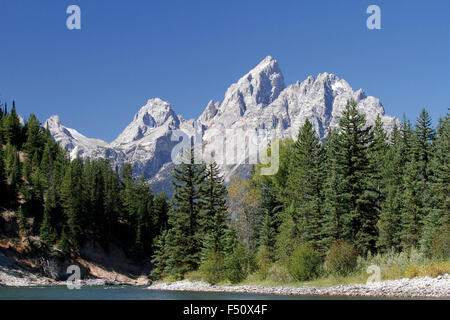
(258, 101)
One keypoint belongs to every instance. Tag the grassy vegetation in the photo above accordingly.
(392, 266)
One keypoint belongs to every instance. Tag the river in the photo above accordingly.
(133, 293)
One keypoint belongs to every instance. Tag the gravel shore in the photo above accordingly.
(423, 287)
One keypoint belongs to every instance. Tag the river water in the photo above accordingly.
(133, 293)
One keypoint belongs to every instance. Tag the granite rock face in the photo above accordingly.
(257, 102)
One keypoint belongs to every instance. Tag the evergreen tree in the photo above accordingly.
(389, 223)
(377, 161)
(33, 146)
(128, 194)
(160, 256)
(144, 201)
(214, 209)
(332, 220)
(267, 236)
(13, 175)
(160, 213)
(437, 196)
(305, 184)
(48, 232)
(184, 238)
(94, 199)
(111, 201)
(271, 215)
(34, 137)
(356, 205)
(415, 181)
(72, 202)
(12, 128)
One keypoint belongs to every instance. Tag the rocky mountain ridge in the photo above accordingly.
(258, 102)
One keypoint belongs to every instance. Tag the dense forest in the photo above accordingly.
(359, 193)
(72, 202)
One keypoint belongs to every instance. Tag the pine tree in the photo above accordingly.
(47, 166)
(272, 196)
(160, 256)
(305, 184)
(332, 220)
(33, 146)
(71, 200)
(111, 201)
(128, 194)
(12, 127)
(48, 232)
(271, 217)
(356, 205)
(377, 160)
(94, 199)
(267, 236)
(214, 211)
(437, 196)
(415, 182)
(389, 223)
(34, 137)
(144, 201)
(160, 213)
(184, 238)
(13, 175)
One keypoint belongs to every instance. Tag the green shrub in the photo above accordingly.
(263, 263)
(238, 264)
(341, 258)
(440, 244)
(212, 268)
(304, 263)
(278, 273)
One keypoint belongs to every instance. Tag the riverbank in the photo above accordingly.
(21, 278)
(24, 273)
(421, 287)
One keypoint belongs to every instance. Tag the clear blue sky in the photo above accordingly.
(188, 52)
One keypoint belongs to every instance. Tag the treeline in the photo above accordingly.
(74, 202)
(358, 193)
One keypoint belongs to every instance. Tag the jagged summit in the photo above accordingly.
(257, 88)
(210, 111)
(151, 116)
(71, 139)
(258, 100)
(54, 121)
(158, 109)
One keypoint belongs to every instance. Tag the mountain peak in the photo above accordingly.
(257, 88)
(155, 113)
(53, 121)
(268, 63)
(209, 112)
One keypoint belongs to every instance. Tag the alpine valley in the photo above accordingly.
(259, 100)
